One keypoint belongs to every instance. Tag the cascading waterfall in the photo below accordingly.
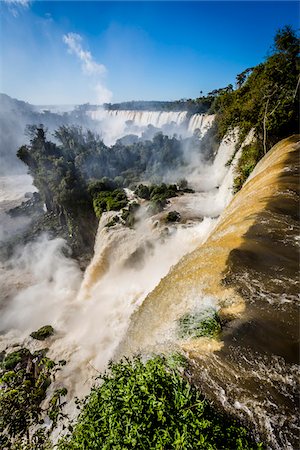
(127, 265)
(128, 299)
(120, 122)
(247, 269)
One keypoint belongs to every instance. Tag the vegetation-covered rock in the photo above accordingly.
(128, 215)
(150, 406)
(109, 201)
(205, 323)
(250, 156)
(42, 333)
(173, 216)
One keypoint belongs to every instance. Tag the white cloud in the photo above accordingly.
(15, 6)
(17, 2)
(89, 66)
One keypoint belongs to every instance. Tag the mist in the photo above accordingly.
(91, 311)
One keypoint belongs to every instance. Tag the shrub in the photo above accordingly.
(150, 406)
(25, 378)
(109, 201)
(12, 359)
(204, 323)
(173, 216)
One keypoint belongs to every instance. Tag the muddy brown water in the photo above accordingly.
(249, 268)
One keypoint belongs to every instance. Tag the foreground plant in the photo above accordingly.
(150, 406)
(24, 380)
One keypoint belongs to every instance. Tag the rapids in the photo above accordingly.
(248, 270)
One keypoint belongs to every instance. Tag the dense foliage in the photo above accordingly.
(266, 100)
(151, 406)
(157, 194)
(24, 379)
(79, 177)
(193, 106)
(266, 96)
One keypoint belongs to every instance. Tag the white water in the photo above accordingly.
(115, 124)
(91, 316)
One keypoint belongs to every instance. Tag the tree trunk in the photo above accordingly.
(265, 125)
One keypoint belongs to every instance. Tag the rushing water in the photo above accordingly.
(114, 124)
(91, 320)
(129, 300)
(248, 269)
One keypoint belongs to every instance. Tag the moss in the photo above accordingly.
(205, 323)
(42, 333)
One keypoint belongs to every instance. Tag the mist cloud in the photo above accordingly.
(89, 65)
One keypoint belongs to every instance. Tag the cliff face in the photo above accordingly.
(249, 269)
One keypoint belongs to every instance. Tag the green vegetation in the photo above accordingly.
(128, 215)
(42, 333)
(266, 100)
(24, 379)
(250, 156)
(13, 358)
(109, 201)
(157, 194)
(150, 406)
(204, 323)
(173, 216)
(193, 106)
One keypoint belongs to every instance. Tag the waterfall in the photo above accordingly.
(201, 122)
(247, 269)
(141, 118)
(126, 267)
(116, 123)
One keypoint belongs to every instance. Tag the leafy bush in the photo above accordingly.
(173, 216)
(204, 323)
(142, 191)
(13, 358)
(42, 333)
(150, 406)
(109, 201)
(158, 195)
(24, 379)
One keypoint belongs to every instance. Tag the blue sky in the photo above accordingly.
(76, 52)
